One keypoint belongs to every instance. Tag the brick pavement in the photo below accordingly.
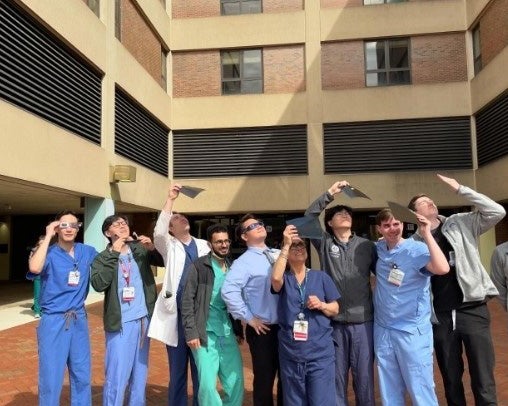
(18, 364)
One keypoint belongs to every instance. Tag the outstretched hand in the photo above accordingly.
(337, 187)
(290, 233)
(454, 185)
(174, 191)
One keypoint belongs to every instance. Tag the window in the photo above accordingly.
(164, 68)
(477, 50)
(371, 2)
(233, 7)
(387, 62)
(118, 20)
(94, 5)
(242, 71)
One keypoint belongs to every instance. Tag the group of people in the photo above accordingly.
(307, 327)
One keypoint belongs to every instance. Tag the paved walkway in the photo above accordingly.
(18, 364)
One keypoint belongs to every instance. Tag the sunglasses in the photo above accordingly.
(253, 226)
(65, 225)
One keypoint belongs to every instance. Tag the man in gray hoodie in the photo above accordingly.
(349, 260)
(460, 297)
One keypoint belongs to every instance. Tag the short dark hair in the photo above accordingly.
(329, 213)
(383, 215)
(411, 204)
(239, 227)
(65, 213)
(214, 229)
(110, 220)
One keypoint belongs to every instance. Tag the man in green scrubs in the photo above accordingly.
(209, 330)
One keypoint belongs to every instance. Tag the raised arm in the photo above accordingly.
(438, 264)
(279, 267)
(37, 260)
(161, 232)
(488, 212)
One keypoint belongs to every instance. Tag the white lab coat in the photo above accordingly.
(163, 326)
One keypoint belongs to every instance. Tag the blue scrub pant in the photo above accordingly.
(404, 362)
(179, 358)
(308, 383)
(220, 358)
(355, 351)
(126, 364)
(63, 341)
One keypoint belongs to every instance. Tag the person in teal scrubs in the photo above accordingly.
(209, 329)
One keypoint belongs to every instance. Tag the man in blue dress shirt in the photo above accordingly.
(246, 292)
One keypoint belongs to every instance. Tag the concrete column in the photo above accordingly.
(96, 210)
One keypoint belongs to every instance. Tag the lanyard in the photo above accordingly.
(125, 267)
(301, 290)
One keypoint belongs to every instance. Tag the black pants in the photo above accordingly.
(264, 350)
(472, 330)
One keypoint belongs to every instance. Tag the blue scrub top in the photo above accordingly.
(405, 307)
(57, 296)
(136, 308)
(319, 343)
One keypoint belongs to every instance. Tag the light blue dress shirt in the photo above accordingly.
(246, 289)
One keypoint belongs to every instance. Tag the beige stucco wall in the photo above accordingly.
(95, 40)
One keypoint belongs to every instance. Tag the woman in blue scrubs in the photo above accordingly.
(308, 298)
(123, 272)
(62, 334)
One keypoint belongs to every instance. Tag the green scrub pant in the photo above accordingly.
(220, 358)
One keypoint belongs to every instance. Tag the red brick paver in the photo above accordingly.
(18, 364)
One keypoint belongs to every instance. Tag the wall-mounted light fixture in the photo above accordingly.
(122, 173)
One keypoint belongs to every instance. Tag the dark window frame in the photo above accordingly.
(118, 20)
(95, 6)
(387, 68)
(240, 2)
(477, 51)
(164, 68)
(241, 78)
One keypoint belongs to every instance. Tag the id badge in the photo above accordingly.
(73, 279)
(395, 277)
(301, 330)
(128, 293)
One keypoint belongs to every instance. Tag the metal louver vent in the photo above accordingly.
(492, 131)
(398, 145)
(279, 150)
(41, 74)
(139, 136)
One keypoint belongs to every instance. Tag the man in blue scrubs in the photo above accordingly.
(122, 271)
(62, 334)
(402, 328)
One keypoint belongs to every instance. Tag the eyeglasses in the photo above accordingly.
(118, 224)
(222, 242)
(65, 225)
(297, 247)
(252, 226)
